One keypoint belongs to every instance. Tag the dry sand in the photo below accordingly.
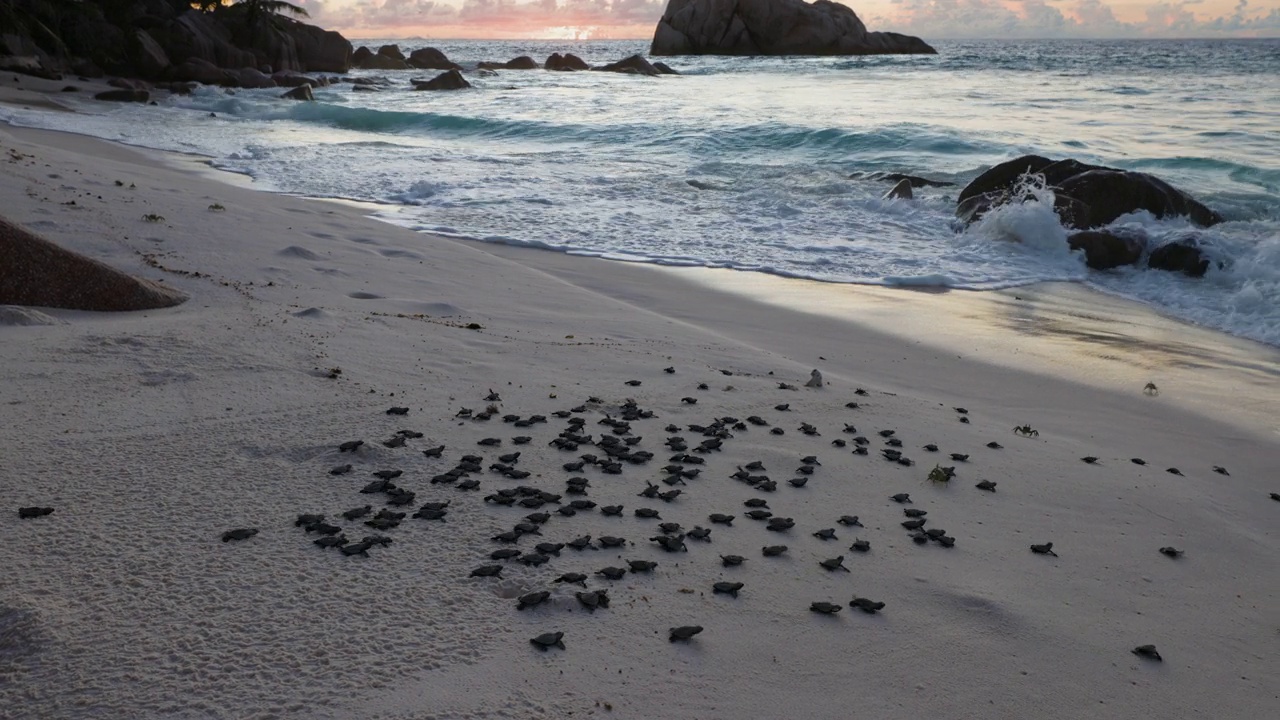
(152, 433)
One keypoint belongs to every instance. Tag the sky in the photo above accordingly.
(930, 19)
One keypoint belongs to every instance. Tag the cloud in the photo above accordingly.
(1034, 19)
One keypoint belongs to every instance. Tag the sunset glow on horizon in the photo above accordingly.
(931, 19)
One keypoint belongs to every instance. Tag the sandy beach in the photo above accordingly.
(153, 433)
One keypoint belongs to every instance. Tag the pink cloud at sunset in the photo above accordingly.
(932, 19)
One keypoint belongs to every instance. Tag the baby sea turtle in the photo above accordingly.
(350, 446)
(994, 445)
(329, 541)
(27, 513)
(756, 503)
(1137, 461)
(1045, 549)
(685, 632)
(860, 546)
(641, 565)
(649, 513)
(580, 543)
(866, 605)
(509, 536)
(835, 563)
(669, 370)
(434, 452)
(850, 521)
(732, 560)
(839, 443)
(340, 469)
(915, 524)
(959, 457)
(1173, 471)
(532, 599)
(773, 550)
(703, 386)
(1089, 459)
(489, 442)
(902, 498)
(355, 513)
(798, 482)
(504, 554)
(546, 641)
(1275, 496)
(700, 533)
(534, 559)
(398, 411)
(549, 548)
(1148, 652)
(593, 600)
(758, 514)
(574, 578)
(1171, 552)
(986, 485)
(411, 434)
(425, 513)
(388, 474)
(914, 512)
(721, 518)
(727, 588)
(1220, 470)
(487, 571)
(826, 534)
(238, 533)
(670, 543)
(611, 541)
(612, 573)
(780, 524)
(615, 510)
(360, 548)
(396, 442)
(825, 608)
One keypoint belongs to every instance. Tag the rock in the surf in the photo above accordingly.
(448, 80)
(772, 27)
(1085, 196)
(1105, 249)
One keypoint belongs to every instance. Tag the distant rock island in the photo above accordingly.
(772, 27)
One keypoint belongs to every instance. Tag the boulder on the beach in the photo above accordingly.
(293, 79)
(140, 96)
(448, 80)
(391, 51)
(635, 65)
(565, 62)
(201, 71)
(149, 57)
(524, 62)
(429, 58)
(253, 78)
(40, 274)
(1086, 196)
(772, 27)
(1183, 256)
(1104, 250)
(302, 92)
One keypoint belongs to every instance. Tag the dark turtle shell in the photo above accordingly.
(684, 632)
(825, 608)
(549, 640)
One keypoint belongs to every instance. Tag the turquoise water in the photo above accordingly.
(746, 162)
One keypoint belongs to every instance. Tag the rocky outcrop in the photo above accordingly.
(157, 39)
(1085, 196)
(772, 27)
(634, 65)
(524, 62)
(565, 62)
(901, 191)
(1184, 257)
(664, 68)
(429, 58)
(448, 80)
(35, 272)
(1104, 250)
(302, 92)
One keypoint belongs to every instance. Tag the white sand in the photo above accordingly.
(152, 433)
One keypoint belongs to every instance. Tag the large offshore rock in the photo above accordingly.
(772, 27)
(447, 80)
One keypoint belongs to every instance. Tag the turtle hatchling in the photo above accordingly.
(1171, 552)
(1045, 549)
(826, 534)
(340, 469)
(641, 565)
(732, 560)
(721, 518)
(684, 633)
(1148, 652)
(850, 520)
(835, 563)
(546, 641)
(773, 550)
(529, 600)
(727, 588)
(487, 571)
(866, 605)
(986, 485)
(902, 498)
(593, 600)
(860, 546)
(574, 578)
(825, 608)
(350, 446)
(237, 534)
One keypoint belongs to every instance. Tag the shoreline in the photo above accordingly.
(153, 433)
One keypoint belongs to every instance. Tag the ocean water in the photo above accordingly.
(753, 163)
